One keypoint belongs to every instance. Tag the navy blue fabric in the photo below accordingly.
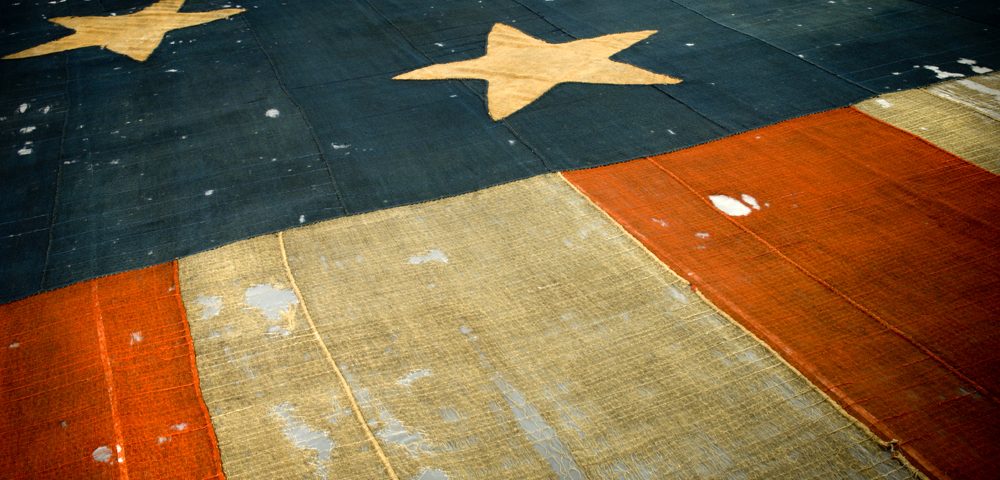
(135, 163)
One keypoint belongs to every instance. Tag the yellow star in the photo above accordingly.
(519, 68)
(135, 35)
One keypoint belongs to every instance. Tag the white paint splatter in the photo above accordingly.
(210, 306)
(272, 113)
(689, 44)
(941, 74)
(883, 103)
(136, 338)
(179, 427)
(972, 64)
(660, 222)
(14, 345)
(45, 111)
(272, 302)
(208, 193)
(102, 454)
(23, 108)
(749, 200)
(27, 129)
(702, 235)
(431, 256)
(302, 219)
(25, 150)
(729, 205)
(340, 146)
(413, 376)
(162, 440)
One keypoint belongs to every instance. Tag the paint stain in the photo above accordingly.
(883, 103)
(972, 64)
(676, 294)
(102, 454)
(272, 113)
(542, 436)
(136, 337)
(297, 432)
(941, 74)
(14, 345)
(749, 200)
(23, 108)
(431, 474)
(179, 427)
(28, 129)
(210, 306)
(660, 222)
(730, 206)
(273, 302)
(431, 256)
(413, 376)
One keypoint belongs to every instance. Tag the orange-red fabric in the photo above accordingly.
(98, 381)
(872, 265)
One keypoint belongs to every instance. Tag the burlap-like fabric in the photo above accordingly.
(515, 332)
(97, 380)
(867, 258)
(960, 116)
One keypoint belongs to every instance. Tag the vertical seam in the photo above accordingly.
(195, 380)
(336, 370)
(119, 451)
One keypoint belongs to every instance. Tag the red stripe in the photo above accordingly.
(99, 382)
(874, 267)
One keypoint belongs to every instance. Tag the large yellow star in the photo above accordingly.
(135, 35)
(519, 68)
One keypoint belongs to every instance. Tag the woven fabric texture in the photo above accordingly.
(515, 332)
(867, 257)
(97, 380)
(960, 116)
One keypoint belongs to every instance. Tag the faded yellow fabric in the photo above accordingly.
(520, 68)
(135, 35)
(514, 332)
(952, 115)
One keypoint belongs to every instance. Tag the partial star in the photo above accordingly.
(519, 68)
(135, 35)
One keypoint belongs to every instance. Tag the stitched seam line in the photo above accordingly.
(196, 382)
(774, 350)
(119, 450)
(336, 370)
(926, 351)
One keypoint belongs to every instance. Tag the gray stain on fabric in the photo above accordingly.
(210, 306)
(302, 436)
(541, 435)
(272, 302)
(102, 454)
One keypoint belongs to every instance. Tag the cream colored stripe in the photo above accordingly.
(329, 357)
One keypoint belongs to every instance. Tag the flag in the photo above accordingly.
(534, 239)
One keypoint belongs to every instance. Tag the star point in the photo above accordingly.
(135, 35)
(519, 68)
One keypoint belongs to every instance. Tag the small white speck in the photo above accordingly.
(689, 44)
(14, 345)
(702, 235)
(883, 103)
(208, 193)
(438, 44)
(511, 142)
(272, 113)
(171, 70)
(23, 108)
(302, 219)
(340, 146)
(45, 110)
(179, 427)
(27, 129)
(136, 338)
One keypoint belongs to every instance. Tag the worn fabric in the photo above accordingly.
(288, 113)
(867, 257)
(98, 380)
(515, 332)
(960, 116)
